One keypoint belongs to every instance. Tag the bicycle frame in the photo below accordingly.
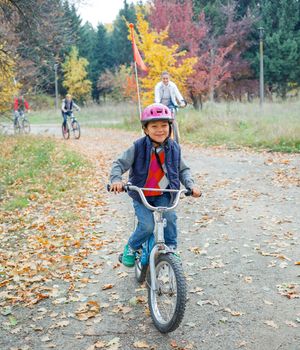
(159, 246)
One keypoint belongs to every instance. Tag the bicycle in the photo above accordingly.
(72, 125)
(21, 123)
(175, 127)
(161, 268)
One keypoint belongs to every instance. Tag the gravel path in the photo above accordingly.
(239, 245)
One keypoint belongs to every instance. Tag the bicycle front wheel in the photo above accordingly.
(175, 131)
(65, 131)
(167, 303)
(76, 129)
(26, 126)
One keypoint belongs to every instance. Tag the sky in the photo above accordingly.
(103, 11)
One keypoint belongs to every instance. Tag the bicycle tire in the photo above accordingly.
(168, 325)
(65, 132)
(175, 131)
(17, 128)
(26, 126)
(140, 271)
(76, 129)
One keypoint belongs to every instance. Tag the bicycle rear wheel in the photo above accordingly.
(76, 129)
(17, 128)
(167, 303)
(65, 131)
(26, 126)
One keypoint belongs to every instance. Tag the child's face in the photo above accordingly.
(158, 130)
(165, 79)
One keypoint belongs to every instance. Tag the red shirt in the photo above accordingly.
(20, 104)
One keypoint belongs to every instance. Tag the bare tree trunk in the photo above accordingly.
(197, 102)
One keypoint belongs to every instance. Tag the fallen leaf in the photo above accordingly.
(271, 324)
(87, 310)
(113, 344)
(141, 345)
(195, 250)
(173, 344)
(45, 338)
(290, 290)
(233, 313)
(100, 344)
(197, 290)
(107, 286)
(291, 324)
(210, 302)
(6, 311)
(248, 279)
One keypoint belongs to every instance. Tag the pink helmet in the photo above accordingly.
(156, 111)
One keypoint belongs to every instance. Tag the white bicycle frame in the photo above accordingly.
(160, 222)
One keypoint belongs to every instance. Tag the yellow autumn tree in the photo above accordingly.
(7, 86)
(75, 73)
(159, 57)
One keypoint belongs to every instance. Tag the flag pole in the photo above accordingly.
(131, 25)
(138, 90)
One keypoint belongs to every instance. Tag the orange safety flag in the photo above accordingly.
(136, 55)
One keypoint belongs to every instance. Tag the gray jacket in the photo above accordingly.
(174, 92)
(126, 160)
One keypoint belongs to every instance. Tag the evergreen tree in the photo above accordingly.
(121, 46)
(102, 57)
(281, 22)
(72, 24)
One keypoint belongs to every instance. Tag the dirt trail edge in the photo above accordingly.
(240, 250)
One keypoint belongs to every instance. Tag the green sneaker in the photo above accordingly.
(128, 258)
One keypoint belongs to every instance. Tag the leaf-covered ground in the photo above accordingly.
(63, 288)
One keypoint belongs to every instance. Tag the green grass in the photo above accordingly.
(16, 203)
(106, 115)
(33, 167)
(275, 127)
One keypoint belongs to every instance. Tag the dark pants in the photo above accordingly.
(17, 114)
(65, 116)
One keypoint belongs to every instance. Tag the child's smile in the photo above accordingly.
(158, 131)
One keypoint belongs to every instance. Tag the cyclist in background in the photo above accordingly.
(20, 105)
(67, 108)
(167, 93)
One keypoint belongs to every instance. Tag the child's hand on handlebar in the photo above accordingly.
(117, 187)
(196, 192)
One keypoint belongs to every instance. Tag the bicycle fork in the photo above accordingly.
(159, 247)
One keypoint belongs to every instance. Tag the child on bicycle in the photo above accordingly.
(20, 106)
(67, 108)
(154, 161)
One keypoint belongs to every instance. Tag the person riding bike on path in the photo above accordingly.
(154, 161)
(167, 93)
(20, 105)
(67, 108)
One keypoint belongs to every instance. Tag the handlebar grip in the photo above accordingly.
(125, 188)
(189, 192)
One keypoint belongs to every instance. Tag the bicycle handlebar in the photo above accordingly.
(140, 190)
